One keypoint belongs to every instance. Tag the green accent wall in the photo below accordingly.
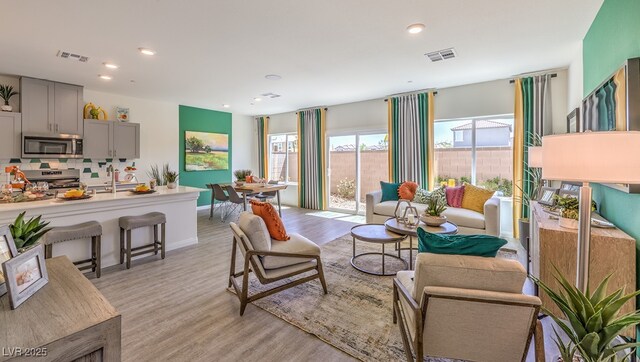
(613, 37)
(203, 120)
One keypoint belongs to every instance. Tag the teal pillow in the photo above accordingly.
(478, 245)
(389, 191)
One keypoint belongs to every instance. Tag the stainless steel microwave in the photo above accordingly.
(51, 146)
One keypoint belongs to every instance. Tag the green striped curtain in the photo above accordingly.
(311, 159)
(263, 147)
(528, 134)
(411, 138)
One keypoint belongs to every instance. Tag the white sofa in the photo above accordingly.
(468, 221)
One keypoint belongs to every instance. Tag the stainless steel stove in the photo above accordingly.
(60, 180)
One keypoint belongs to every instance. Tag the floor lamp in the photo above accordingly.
(601, 157)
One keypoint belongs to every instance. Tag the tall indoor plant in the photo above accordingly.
(532, 193)
(591, 320)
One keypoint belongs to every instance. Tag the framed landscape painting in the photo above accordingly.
(206, 151)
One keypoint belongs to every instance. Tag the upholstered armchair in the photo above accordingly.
(466, 307)
(271, 260)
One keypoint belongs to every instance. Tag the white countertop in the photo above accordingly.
(121, 197)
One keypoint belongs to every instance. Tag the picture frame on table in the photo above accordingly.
(25, 274)
(547, 196)
(573, 121)
(8, 250)
(569, 189)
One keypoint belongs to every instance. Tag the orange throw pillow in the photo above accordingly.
(407, 190)
(271, 218)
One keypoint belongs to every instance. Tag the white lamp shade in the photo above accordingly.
(606, 157)
(535, 157)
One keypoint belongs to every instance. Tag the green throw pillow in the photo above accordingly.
(423, 196)
(478, 245)
(389, 191)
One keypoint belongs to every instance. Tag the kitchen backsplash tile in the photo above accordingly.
(92, 171)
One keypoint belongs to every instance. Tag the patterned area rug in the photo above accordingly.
(356, 315)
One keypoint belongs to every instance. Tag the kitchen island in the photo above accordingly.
(179, 205)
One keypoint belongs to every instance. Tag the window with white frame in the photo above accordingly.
(283, 157)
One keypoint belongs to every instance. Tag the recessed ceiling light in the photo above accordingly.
(415, 28)
(110, 65)
(257, 99)
(273, 77)
(226, 105)
(146, 51)
(104, 76)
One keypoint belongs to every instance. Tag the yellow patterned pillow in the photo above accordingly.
(475, 197)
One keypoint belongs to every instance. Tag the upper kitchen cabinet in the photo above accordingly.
(111, 139)
(50, 107)
(10, 124)
(126, 140)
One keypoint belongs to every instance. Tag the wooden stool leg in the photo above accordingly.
(163, 240)
(128, 242)
(155, 239)
(121, 245)
(93, 253)
(98, 255)
(48, 250)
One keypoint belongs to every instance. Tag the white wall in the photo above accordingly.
(158, 127)
(244, 145)
(575, 91)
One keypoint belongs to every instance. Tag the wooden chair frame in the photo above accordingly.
(420, 312)
(250, 264)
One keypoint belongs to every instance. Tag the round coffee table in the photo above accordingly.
(378, 234)
(394, 226)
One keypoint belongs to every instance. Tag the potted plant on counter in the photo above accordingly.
(241, 176)
(591, 321)
(433, 214)
(568, 206)
(171, 178)
(26, 234)
(6, 92)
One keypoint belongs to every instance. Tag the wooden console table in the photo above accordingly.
(612, 251)
(67, 320)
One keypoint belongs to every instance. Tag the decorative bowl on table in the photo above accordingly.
(239, 183)
(433, 220)
(75, 195)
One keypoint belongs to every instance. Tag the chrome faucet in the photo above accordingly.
(111, 172)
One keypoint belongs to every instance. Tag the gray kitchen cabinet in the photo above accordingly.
(126, 140)
(50, 107)
(10, 137)
(111, 139)
(68, 108)
(37, 105)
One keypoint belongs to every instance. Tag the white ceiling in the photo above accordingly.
(327, 52)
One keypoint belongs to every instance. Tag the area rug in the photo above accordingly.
(356, 315)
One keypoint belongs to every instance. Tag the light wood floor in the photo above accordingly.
(178, 309)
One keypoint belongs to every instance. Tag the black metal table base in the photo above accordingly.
(383, 255)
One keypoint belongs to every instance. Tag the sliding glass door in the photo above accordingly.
(356, 164)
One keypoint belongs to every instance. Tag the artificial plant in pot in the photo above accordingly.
(26, 234)
(241, 176)
(6, 92)
(171, 178)
(591, 320)
(433, 213)
(158, 173)
(569, 207)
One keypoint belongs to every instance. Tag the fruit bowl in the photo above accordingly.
(433, 220)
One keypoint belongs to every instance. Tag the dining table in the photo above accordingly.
(248, 189)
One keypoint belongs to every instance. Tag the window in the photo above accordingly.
(477, 150)
(283, 157)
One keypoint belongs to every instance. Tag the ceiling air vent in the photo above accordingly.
(270, 95)
(69, 55)
(441, 55)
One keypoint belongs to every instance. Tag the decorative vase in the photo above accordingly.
(172, 185)
(239, 183)
(568, 223)
(6, 108)
(433, 220)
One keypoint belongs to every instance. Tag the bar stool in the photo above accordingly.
(128, 223)
(91, 229)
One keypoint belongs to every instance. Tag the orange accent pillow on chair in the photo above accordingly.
(271, 218)
(407, 190)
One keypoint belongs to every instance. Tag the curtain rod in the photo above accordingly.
(308, 109)
(553, 75)
(415, 92)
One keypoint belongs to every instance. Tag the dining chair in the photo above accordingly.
(234, 199)
(264, 196)
(219, 195)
